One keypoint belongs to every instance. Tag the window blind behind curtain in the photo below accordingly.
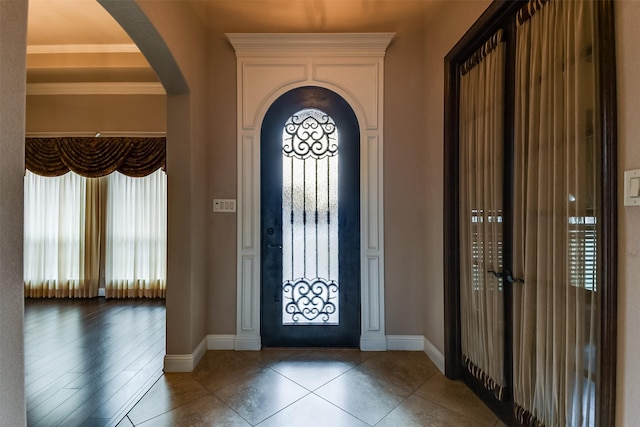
(481, 181)
(555, 327)
(67, 198)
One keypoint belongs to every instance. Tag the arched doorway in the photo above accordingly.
(310, 221)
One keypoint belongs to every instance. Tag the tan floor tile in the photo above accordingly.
(170, 391)
(206, 411)
(126, 422)
(217, 370)
(418, 412)
(261, 396)
(405, 369)
(269, 356)
(311, 374)
(363, 396)
(456, 396)
(349, 356)
(312, 411)
(273, 387)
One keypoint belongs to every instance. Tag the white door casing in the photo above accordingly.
(269, 65)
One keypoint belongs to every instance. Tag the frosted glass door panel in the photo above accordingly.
(310, 272)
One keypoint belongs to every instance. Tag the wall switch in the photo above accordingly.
(224, 205)
(632, 188)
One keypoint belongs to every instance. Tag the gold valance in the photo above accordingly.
(95, 157)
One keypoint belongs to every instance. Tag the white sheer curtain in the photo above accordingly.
(481, 183)
(54, 237)
(136, 236)
(555, 327)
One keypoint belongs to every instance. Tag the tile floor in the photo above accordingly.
(310, 387)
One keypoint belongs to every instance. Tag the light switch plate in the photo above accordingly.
(632, 185)
(224, 205)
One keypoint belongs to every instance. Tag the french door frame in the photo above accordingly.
(501, 15)
(351, 65)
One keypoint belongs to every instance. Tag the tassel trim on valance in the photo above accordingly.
(481, 53)
(95, 157)
(488, 382)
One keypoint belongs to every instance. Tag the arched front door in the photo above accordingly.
(310, 221)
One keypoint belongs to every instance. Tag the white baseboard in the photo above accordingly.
(405, 342)
(373, 344)
(185, 362)
(434, 354)
(188, 362)
(221, 342)
(247, 344)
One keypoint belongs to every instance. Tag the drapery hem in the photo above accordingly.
(526, 418)
(488, 382)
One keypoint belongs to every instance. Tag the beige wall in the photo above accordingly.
(13, 26)
(628, 64)
(188, 139)
(445, 24)
(92, 113)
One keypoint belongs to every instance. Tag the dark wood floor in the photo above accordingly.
(88, 361)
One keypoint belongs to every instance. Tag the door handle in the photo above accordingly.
(273, 246)
(507, 276)
(512, 279)
(495, 273)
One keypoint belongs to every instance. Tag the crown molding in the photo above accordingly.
(82, 48)
(96, 88)
(316, 44)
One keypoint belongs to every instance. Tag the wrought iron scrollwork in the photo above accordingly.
(310, 300)
(310, 133)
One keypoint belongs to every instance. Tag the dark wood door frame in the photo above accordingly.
(500, 15)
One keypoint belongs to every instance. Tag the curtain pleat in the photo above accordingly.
(136, 236)
(481, 183)
(555, 328)
(55, 262)
(92, 236)
(95, 157)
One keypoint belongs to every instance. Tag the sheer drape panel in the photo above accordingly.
(481, 199)
(555, 332)
(136, 242)
(54, 243)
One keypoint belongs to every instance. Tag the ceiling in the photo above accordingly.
(75, 46)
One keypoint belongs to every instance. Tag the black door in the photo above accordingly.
(310, 221)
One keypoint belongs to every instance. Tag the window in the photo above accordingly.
(65, 218)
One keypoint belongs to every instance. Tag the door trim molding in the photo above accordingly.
(269, 65)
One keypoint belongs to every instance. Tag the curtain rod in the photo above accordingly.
(528, 10)
(98, 134)
(481, 53)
